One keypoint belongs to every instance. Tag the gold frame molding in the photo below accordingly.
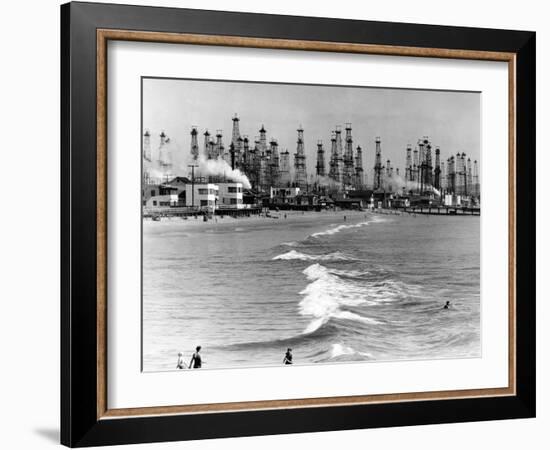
(105, 35)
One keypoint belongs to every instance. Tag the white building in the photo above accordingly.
(202, 195)
(231, 195)
(288, 192)
(162, 200)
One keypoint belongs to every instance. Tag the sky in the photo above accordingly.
(450, 119)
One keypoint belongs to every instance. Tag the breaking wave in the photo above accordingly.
(293, 254)
(325, 296)
(343, 350)
(342, 227)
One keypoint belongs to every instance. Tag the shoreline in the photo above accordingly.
(280, 217)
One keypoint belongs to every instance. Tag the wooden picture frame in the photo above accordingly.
(85, 416)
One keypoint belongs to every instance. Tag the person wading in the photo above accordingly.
(196, 360)
(288, 356)
(181, 364)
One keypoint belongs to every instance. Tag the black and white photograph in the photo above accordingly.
(292, 224)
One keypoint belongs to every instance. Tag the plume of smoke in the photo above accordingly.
(181, 159)
(221, 168)
(400, 183)
(326, 182)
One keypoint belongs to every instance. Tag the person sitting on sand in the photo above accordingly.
(288, 356)
(180, 364)
(196, 360)
(447, 305)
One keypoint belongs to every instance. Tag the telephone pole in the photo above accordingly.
(192, 183)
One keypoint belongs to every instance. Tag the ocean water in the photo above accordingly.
(370, 288)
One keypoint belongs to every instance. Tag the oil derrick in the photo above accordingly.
(209, 146)
(262, 173)
(451, 176)
(194, 144)
(442, 177)
(422, 165)
(256, 160)
(273, 164)
(263, 141)
(425, 169)
(464, 174)
(165, 158)
(252, 163)
(378, 176)
(333, 159)
(348, 158)
(147, 146)
(428, 166)
(236, 134)
(239, 153)
(339, 155)
(245, 157)
(320, 167)
(300, 177)
(459, 175)
(284, 162)
(414, 172)
(476, 180)
(206, 143)
(359, 178)
(263, 155)
(212, 150)
(232, 156)
(408, 164)
(164, 154)
(389, 176)
(218, 147)
(437, 171)
(469, 189)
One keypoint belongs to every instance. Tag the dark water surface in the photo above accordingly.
(368, 288)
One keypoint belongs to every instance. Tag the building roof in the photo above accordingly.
(183, 180)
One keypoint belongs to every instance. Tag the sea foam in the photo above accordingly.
(342, 227)
(293, 254)
(343, 350)
(327, 293)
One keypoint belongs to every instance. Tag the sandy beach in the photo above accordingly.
(273, 217)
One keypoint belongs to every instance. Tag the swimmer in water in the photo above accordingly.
(288, 356)
(180, 364)
(447, 305)
(196, 360)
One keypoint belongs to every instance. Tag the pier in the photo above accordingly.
(442, 210)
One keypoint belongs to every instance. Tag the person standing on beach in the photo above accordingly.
(288, 356)
(196, 360)
(180, 364)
